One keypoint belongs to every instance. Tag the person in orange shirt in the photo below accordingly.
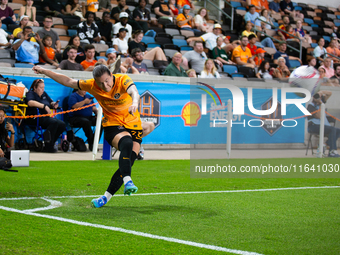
(259, 4)
(50, 52)
(185, 21)
(259, 56)
(242, 54)
(119, 98)
(92, 5)
(182, 3)
(332, 49)
(89, 62)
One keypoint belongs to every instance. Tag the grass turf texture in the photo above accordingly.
(274, 222)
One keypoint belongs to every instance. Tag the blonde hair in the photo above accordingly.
(213, 70)
(190, 70)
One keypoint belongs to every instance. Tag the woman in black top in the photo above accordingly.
(6, 141)
(140, 13)
(36, 97)
(153, 54)
(75, 41)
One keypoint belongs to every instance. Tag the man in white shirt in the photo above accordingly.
(3, 38)
(123, 17)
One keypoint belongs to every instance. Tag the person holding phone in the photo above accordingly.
(83, 118)
(6, 141)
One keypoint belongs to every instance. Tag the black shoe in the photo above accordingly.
(47, 136)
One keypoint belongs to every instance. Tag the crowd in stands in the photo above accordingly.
(172, 38)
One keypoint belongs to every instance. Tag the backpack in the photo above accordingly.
(6, 164)
(79, 144)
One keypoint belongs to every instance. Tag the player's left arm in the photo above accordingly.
(133, 92)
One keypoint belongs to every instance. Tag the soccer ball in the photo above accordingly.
(306, 77)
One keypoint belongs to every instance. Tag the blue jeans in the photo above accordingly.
(267, 42)
(8, 21)
(333, 134)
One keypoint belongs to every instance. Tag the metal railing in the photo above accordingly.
(277, 40)
(231, 17)
(334, 56)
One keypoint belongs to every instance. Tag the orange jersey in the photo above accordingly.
(92, 5)
(181, 17)
(244, 55)
(50, 54)
(87, 64)
(258, 61)
(115, 103)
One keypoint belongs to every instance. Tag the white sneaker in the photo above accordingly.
(333, 154)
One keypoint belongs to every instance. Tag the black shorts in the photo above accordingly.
(111, 131)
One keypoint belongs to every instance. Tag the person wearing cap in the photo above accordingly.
(209, 38)
(6, 13)
(105, 28)
(185, 21)
(46, 30)
(88, 30)
(162, 10)
(242, 55)
(17, 33)
(251, 17)
(123, 17)
(174, 68)
(120, 44)
(219, 53)
(259, 53)
(70, 63)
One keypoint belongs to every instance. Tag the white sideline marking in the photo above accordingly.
(184, 192)
(137, 233)
(55, 204)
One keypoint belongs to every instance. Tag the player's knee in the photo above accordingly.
(125, 143)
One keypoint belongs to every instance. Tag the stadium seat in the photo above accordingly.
(298, 8)
(72, 32)
(148, 63)
(153, 45)
(294, 63)
(8, 60)
(178, 37)
(100, 47)
(235, 4)
(309, 21)
(171, 31)
(187, 33)
(63, 44)
(186, 48)
(4, 54)
(170, 52)
(179, 42)
(71, 22)
(163, 40)
(5, 64)
(148, 39)
(171, 47)
(313, 45)
(337, 24)
(102, 57)
(230, 69)
(23, 65)
(4, 27)
(327, 38)
(57, 20)
(60, 31)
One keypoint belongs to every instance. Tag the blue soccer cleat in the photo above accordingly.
(99, 202)
(130, 188)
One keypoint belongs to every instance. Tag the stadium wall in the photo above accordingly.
(167, 98)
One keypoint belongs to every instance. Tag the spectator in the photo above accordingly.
(282, 53)
(104, 6)
(324, 80)
(251, 45)
(174, 68)
(259, 4)
(88, 30)
(282, 71)
(6, 13)
(287, 7)
(181, 3)
(336, 78)
(50, 52)
(115, 64)
(196, 58)
(220, 54)
(274, 7)
(229, 47)
(259, 53)
(209, 38)
(140, 13)
(251, 17)
(290, 34)
(248, 29)
(74, 8)
(265, 71)
(191, 73)
(162, 10)
(36, 97)
(121, 7)
(27, 51)
(137, 56)
(266, 17)
(54, 8)
(89, 62)
(70, 63)
(120, 44)
(153, 54)
(327, 65)
(123, 17)
(283, 27)
(335, 33)
(242, 55)
(185, 21)
(105, 28)
(75, 41)
(209, 70)
(6, 141)
(333, 49)
(46, 30)
(311, 62)
(319, 51)
(30, 11)
(265, 41)
(301, 33)
(172, 6)
(333, 133)
(202, 21)
(4, 37)
(83, 118)
(17, 33)
(92, 6)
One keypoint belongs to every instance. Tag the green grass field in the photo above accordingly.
(176, 215)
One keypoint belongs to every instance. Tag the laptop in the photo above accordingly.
(20, 157)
